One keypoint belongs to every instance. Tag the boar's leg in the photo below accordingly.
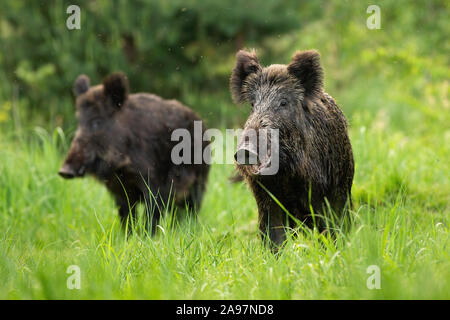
(126, 199)
(194, 199)
(272, 223)
(154, 207)
(127, 208)
(126, 211)
(188, 186)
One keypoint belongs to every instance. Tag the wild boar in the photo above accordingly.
(314, 153)
(124, 140)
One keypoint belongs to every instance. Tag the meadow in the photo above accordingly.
(400, 224)
(393, 87)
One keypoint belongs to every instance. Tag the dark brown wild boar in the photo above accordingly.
(124, 140)
(314, 156)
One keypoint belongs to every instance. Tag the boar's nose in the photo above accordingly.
(246, 155)
(67, 172)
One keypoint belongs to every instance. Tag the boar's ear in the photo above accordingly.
(115, 87)
(81, 85)
(305, 66)
(246, 64)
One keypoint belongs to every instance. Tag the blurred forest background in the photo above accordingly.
(185, 50)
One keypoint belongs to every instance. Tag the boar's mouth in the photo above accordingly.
(249, 160)
(68, 172)
(77, 165)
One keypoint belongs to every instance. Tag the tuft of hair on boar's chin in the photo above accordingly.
(313, 152)
(124, 140)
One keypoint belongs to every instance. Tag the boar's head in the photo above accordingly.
(280, 96)
(98, 145)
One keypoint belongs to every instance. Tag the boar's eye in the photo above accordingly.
(283, 103)
(95, 124)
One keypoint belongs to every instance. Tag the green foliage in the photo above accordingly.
(167, 47)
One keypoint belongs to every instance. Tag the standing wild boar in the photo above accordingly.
(124, 140)
(314, 155)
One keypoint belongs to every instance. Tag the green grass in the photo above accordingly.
(400, 223)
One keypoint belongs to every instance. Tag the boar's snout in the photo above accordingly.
(246, 155)
(75, 164)
(67, 172)
(254, 153)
